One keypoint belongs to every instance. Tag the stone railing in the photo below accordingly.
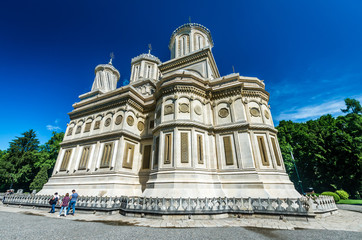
(169, 206)
(321, 204)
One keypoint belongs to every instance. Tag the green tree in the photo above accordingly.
(352, 105)
(327, 150)
(40, 179)
(49, 152)
(17, 165)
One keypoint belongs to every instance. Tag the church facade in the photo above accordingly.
(178, 129)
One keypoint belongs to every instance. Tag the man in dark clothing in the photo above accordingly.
(54, 202)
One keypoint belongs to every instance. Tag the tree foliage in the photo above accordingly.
(40, 179)
(25, 159)
(327, 151)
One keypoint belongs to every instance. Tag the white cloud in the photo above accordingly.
(314, 111)
(52, 128)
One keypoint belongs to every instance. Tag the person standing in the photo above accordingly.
(53, 202)
(64, 205)
(73, 200)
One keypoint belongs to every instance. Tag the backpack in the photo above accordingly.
(53, 201)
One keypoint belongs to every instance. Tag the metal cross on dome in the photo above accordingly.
(112, 56)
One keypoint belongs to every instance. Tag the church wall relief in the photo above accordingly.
(254, 112)
(128, 155)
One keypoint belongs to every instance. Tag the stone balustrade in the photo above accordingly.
(305, 206)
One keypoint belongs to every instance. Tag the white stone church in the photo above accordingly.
(178, 129)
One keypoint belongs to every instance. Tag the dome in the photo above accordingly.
(189, 38)
(106, 78)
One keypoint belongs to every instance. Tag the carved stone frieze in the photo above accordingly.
(266, 114)
(107, 122)
(130, 120)
(97, 125)
(119, 119)
(87, 126)
(184, 107)
(254, 112)
(223, 112)
(198, 110)
(169, 109)
(140, 126)
(70, 131)
(79, 129)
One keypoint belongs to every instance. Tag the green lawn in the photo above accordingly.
(350, 201)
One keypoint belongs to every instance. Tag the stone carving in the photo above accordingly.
(141, 126)
(254, 112)
(97, 125)
(70, 131)
(119, 119)
(198, 110)
(107, 122)
(228, 151)
(169, 109)
(184, 108)
(79, 129)
(87, 126)
(266, 114)
(223, 112)
(130, 120)
(128, 156)
(184, 147)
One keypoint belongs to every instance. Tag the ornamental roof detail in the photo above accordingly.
(147, 56)
(105, 66)
(196, 25)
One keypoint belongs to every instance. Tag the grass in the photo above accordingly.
(350, 201)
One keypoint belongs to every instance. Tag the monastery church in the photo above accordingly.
(178, 129)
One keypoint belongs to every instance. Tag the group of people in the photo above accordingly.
(66, 203)
(8, 192)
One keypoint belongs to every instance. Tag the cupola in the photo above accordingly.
(189, 38)
(106, 78)
(144, 67)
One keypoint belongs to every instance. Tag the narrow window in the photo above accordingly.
(276, 152)
(168, 144)
(264, 158)
(65, 162)
(84, 159)
(184, 45)
(148, 71)
(146, 157)
(107, 155)
(200, 150)
(199, 41)
(184, 147)
(128, 156)
(155, 157)
(152, 124)
(228, 151)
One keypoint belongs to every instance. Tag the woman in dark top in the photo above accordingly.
(64, 205)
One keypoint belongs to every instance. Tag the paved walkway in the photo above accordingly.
(344, 220)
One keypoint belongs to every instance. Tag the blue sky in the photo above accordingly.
(307, 52)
